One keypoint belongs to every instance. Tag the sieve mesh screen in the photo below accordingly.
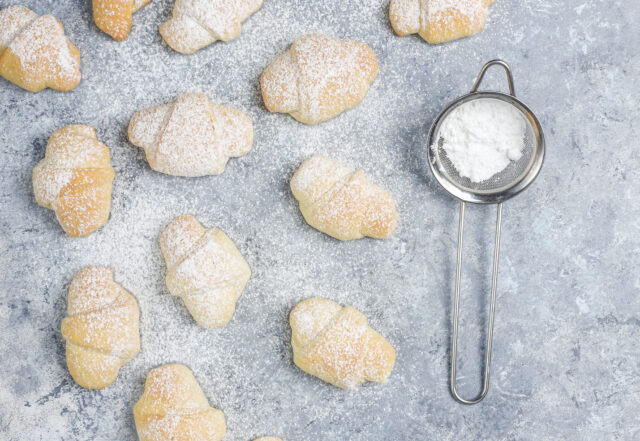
(510, 176)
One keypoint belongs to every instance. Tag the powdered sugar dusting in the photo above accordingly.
(198, 23)
(211, 254)
(467, 8)
(12, 20)
(174, 407)
(102, 321)
(174, 388)
(192, 136)
(74, 179)
(205, 269)
(341, 202)
(115, 17)
(333, 343)
(41, 46)
(330, 75)
(48, 184)
(245, 368)
(438, 21)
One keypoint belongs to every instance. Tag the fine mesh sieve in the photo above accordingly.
(495, 190)
(512, 174)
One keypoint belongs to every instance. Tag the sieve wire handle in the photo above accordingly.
(505, 66)
(456, 310)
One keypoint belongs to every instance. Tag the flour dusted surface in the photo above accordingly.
(481, 137)
(245, 368)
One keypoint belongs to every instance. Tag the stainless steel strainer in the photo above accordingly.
(502, 186)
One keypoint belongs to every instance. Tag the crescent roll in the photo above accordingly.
(174, 408)
(35, 53)
(335, 344)
(114, 16)
(74, 179)
(341, 202)
(205, 269)
(191, 136)
(318, 78)
(101, 328)
(198, 23)
(438, 21)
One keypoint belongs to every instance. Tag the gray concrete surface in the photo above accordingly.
(567, 357)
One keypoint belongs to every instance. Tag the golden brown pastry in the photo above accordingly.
(341, 202)
(35, 53)
(318, 78)
(336, 345)
(114, 16)
(205, 269)
(191, 136)
(438, 21)
(173, 408)
(101, 328)
(198, 23)
(74, 179)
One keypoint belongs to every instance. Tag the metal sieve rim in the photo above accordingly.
(500, 194)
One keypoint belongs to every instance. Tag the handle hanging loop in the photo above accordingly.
(505, 66)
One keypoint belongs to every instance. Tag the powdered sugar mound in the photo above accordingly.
(481, 137)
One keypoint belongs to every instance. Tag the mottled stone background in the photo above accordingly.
(567, 352)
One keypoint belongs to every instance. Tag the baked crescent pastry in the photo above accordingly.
(341, 202)
(174, 408)
(198, 23)
(114, 16)
(205, 269)
(336, 345)
(318, 78)
(35, 53)
(191, 136)
(438, 21)
(74, 179)
(101, 328)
